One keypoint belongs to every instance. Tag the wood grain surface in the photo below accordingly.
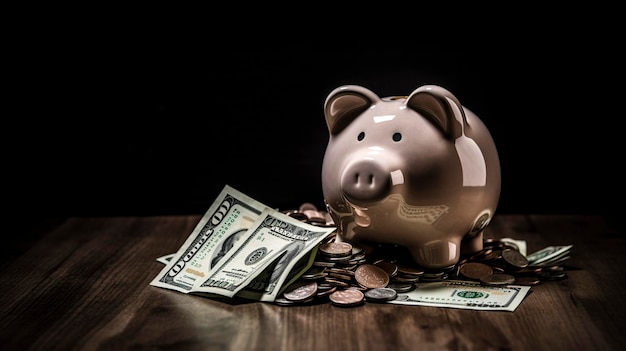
(83, 284)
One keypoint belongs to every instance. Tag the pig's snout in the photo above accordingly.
(365, 181)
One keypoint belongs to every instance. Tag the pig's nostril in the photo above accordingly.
(365, 181)
(360, 179)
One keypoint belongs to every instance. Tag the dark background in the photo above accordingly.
(148, 115)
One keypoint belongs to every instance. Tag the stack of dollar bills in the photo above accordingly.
(241, 247)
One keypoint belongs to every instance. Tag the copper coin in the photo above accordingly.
(491, 255)
(527, 280)
(356, 250)
(307, 206)
(301, 292)
(408, 270)
(344, 271)
(347, 297)
(336, 249)
(514, 258)
(314, 272)
(478, 256)
(433, 275)
(336, 282)
(370, 276)
(475, 270)
(358, 259)
(406, 279)
(299, 216)
(389, 267)
(497, 279)
(340, 276)
(325, 291)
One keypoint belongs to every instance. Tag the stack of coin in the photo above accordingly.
(344, 275)
(308, 212)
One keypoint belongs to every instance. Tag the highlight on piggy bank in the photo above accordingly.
(421, 171)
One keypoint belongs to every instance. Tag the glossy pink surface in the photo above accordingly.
(420, 171)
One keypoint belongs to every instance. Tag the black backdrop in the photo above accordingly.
(157, 118)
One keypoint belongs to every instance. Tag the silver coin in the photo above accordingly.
(282, 301)
(401, 287)
(380, 294)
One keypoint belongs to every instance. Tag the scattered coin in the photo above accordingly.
(336, 249)
(347, 297)
(300, 292)
(344, 275)
(514, 258)
(380, 294)
(298, 215)
(371, 276)
(282, 301)
(527, 280)
(389, 267)
(315, 272)
(401, 287)
(497, 279)
(410, 270)
(475, 270)
(325, 291)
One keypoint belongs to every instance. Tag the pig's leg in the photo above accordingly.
(472, 244)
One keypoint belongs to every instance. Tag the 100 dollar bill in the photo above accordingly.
(222, 227)
(276, 240)
(241, 247)
(260, 288)
(467, 295)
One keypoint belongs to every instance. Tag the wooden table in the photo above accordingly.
(83, 284)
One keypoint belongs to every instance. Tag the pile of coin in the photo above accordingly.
(344, 275)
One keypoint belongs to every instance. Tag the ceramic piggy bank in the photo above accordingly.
(419, 171)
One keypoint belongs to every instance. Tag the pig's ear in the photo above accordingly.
(344, 104)
(440, 107)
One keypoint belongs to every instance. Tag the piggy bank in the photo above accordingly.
(419, 171)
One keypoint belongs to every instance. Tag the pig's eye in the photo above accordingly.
(397, 137)
(361, 136)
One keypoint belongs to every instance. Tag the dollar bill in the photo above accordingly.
(520, 245)
(276, 240)
(221, 229)
(261, 287)
(467, 295)
(548, 254)
(258, 288)
(165, 259)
